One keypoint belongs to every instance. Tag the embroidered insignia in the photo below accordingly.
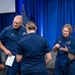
(60, 41)
(24, 33)
(12, 34)
(69, 42)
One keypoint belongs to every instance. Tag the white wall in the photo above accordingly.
(7, 6)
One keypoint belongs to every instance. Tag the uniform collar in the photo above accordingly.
(67, 38)
(32, 33)
(14, 29)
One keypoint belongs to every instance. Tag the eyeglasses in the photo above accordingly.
(16, 22)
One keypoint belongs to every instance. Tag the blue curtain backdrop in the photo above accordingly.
(49, 16)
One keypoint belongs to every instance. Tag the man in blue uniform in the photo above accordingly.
(34, 52)
(62, 46)
(11, 35)
(71, 55)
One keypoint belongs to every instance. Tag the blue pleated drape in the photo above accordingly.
(49, 16)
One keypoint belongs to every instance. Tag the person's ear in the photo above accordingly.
(35, 28)
(21, 23)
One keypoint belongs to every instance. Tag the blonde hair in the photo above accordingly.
(31, 25)
(69, 27)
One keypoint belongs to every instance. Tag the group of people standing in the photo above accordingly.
(32, 52)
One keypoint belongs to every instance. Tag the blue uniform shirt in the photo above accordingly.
(33, 48)
(11, 37)
(72, 47)
(72, 64)
(62, 57)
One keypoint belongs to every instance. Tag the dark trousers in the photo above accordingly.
(38, 73)
(72, 68)
(14, 69)
(61, 70)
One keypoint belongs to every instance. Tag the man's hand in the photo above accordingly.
(1, 66)
(7, 52)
